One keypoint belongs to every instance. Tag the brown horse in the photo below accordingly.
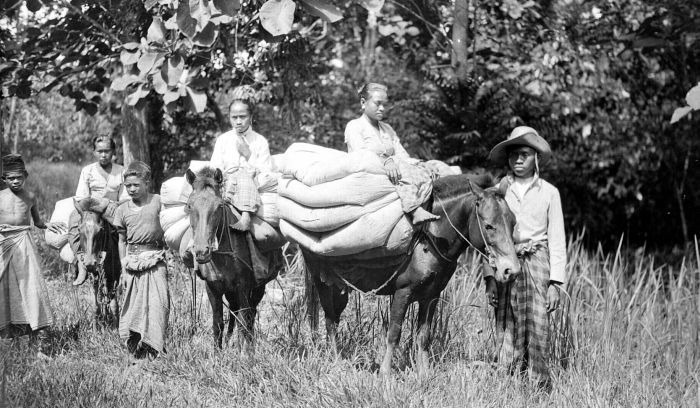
(101, 258)
(470, 215)
(223, 257)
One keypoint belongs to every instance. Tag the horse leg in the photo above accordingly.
(247, 314)
(426, 310)
(398, 312)
(232, 306)
(333, 302)
(98, 306)
(217, 312)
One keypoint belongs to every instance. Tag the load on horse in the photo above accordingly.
(347, 217)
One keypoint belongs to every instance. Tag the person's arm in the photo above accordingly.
(556, 240)
(55, 227)
(399, 151)
(353, 137)
(83, 190)
(217, 156)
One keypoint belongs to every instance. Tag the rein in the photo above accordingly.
(223, 228)
(465, 239)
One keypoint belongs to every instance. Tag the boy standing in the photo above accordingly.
(522, 306)
(23, 298)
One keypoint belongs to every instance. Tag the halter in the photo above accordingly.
(489, 253)
(223, 228)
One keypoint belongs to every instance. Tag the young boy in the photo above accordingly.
(522, 306)
(23, 298)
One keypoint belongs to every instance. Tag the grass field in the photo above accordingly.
(631, 340)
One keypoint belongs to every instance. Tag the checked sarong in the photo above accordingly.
(521, 316)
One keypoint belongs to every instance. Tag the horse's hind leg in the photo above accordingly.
(402, 298)
(217, 312)
(333, 302)
(426, 310)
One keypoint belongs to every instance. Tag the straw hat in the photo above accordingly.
(522, 136)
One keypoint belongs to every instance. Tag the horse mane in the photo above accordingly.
(205, 177)
(452, 186)
(88, 204)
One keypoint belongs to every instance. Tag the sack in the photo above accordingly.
(369, 231)
(61, 213)
(268, 211)
(314, 165)
(169, 216)
(265, 235)
(397, 243)
(67, 254)
(174, 192)
(329, 218)
(442, 169)
(173, 235)
(355, 189)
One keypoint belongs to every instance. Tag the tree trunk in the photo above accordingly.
(460, 39)
(135, 131)
(369, 46)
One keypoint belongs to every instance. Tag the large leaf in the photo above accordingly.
(34, 5)
(128, 57)
(131, 46)
(372, 5)
(207, 36)
(277, 16)
(122, 82)
(198, 99)
(172, 70)
(185, 22)
(156, 32)
(693, 97)
(228, 7)
(170, 97)
(146, 62)
(324, 9)
(149, 4)
(679, 113)
(134, 98)
(159, 84)
(199, 10)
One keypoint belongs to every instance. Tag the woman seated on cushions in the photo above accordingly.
(368, 132)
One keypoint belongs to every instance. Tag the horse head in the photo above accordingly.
(205, 207)
(492, 223)
(89, 228)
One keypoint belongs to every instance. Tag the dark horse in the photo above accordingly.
(223, 257)
(101, 258)
(470, 215)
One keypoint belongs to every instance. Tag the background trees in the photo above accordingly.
(601, 79)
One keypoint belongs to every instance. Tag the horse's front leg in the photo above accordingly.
(217, 312)
(247, 315)
(333, 303)
(402, 298)
(426, 311)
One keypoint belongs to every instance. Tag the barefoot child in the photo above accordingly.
(522, 307)
(144, 317)
(23, 299)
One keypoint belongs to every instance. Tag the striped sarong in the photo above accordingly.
(521, 316)
(241, 190)
(23, 296)
(146, 305)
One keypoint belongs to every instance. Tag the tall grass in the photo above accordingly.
(630, 340)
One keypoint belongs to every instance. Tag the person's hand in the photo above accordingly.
(122, 279)
(552, 297)
(491, 291)
(392, 170)
(57, 227)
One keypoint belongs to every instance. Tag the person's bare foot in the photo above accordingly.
(244, 222)
(420, 215)
(82, 274)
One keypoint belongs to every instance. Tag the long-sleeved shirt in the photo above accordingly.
(539, 216)
(361, 135)
(226, 156)
(97, 183)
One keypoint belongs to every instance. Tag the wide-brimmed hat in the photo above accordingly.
(522, 136)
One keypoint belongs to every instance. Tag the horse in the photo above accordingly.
(223, 258)
(471, 215)
(101, 257)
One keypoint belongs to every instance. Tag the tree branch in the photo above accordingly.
(92, 21)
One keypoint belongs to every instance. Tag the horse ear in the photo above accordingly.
(76, 204)
(190, 176)
(476, 190)
(219, 176)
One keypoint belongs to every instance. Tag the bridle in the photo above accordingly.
(487, 255)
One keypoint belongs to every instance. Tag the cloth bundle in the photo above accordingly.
(334, 203)
(61, 213)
